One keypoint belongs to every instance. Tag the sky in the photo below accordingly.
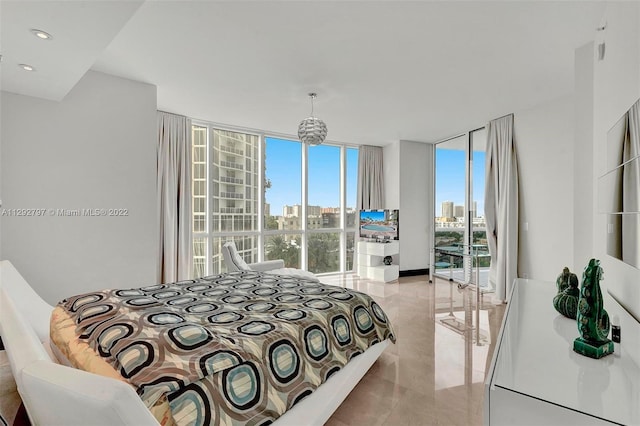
(450, 178)
(284, 170)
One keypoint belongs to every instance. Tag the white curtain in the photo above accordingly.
(501, 205)
(174, 197)
(631, 188)
(370, 178)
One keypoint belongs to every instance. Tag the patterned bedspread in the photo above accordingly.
(236, 348)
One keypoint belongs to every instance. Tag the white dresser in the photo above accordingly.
(535, 378)
(371, 260)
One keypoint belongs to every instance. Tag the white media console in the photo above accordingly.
(371, 260)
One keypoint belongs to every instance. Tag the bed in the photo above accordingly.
(216, 370)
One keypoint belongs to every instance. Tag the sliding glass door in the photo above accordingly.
(460, 233)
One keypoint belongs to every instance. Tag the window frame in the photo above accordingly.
(261, 233)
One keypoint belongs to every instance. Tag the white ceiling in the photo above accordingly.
(81, 31)
(383, 71)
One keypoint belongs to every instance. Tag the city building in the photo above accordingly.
(234, 191)
(447, 209)
(296, 210)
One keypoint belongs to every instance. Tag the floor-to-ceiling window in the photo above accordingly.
(225, 177)
(199, 138)
(283, 201)
(323, 208)
(275, 197)
(450, 200)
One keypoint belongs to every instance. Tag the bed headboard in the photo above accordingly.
(53, 393)
(36, 311)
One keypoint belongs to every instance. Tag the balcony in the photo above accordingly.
(233, 195)
(231, 210)
(231, 180)
(231, 150)
(232, 165)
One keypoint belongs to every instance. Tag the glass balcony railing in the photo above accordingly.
(233, 195)
(232, 165)
(231, 180)
(231, 150)
(231, 210)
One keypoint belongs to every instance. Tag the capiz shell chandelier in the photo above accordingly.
(312, 130)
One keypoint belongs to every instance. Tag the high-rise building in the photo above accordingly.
(447, 209)
(235, 181)
(235, 189)
(474, 212)
(458, 211)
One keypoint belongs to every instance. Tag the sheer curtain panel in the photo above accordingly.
(370, 178)
(501, 205)
(174, 197)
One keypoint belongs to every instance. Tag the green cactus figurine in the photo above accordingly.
(592, 319)
(566, 301)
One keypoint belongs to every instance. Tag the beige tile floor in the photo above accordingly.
(9, 398)
(434, 374)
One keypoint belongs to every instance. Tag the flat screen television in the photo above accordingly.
(380, 224)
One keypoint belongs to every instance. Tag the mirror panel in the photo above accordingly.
(619, 189)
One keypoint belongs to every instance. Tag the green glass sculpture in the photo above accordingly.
(566, 301)
(592, 319)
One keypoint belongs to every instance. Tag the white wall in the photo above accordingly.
(408, 180)
(391, 171)
(416, 204)
(95, 149)
(544, 145)
(1, 203)
(583, 200)
(616, 86)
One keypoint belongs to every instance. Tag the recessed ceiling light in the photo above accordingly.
(41, 34)
(26, 67)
